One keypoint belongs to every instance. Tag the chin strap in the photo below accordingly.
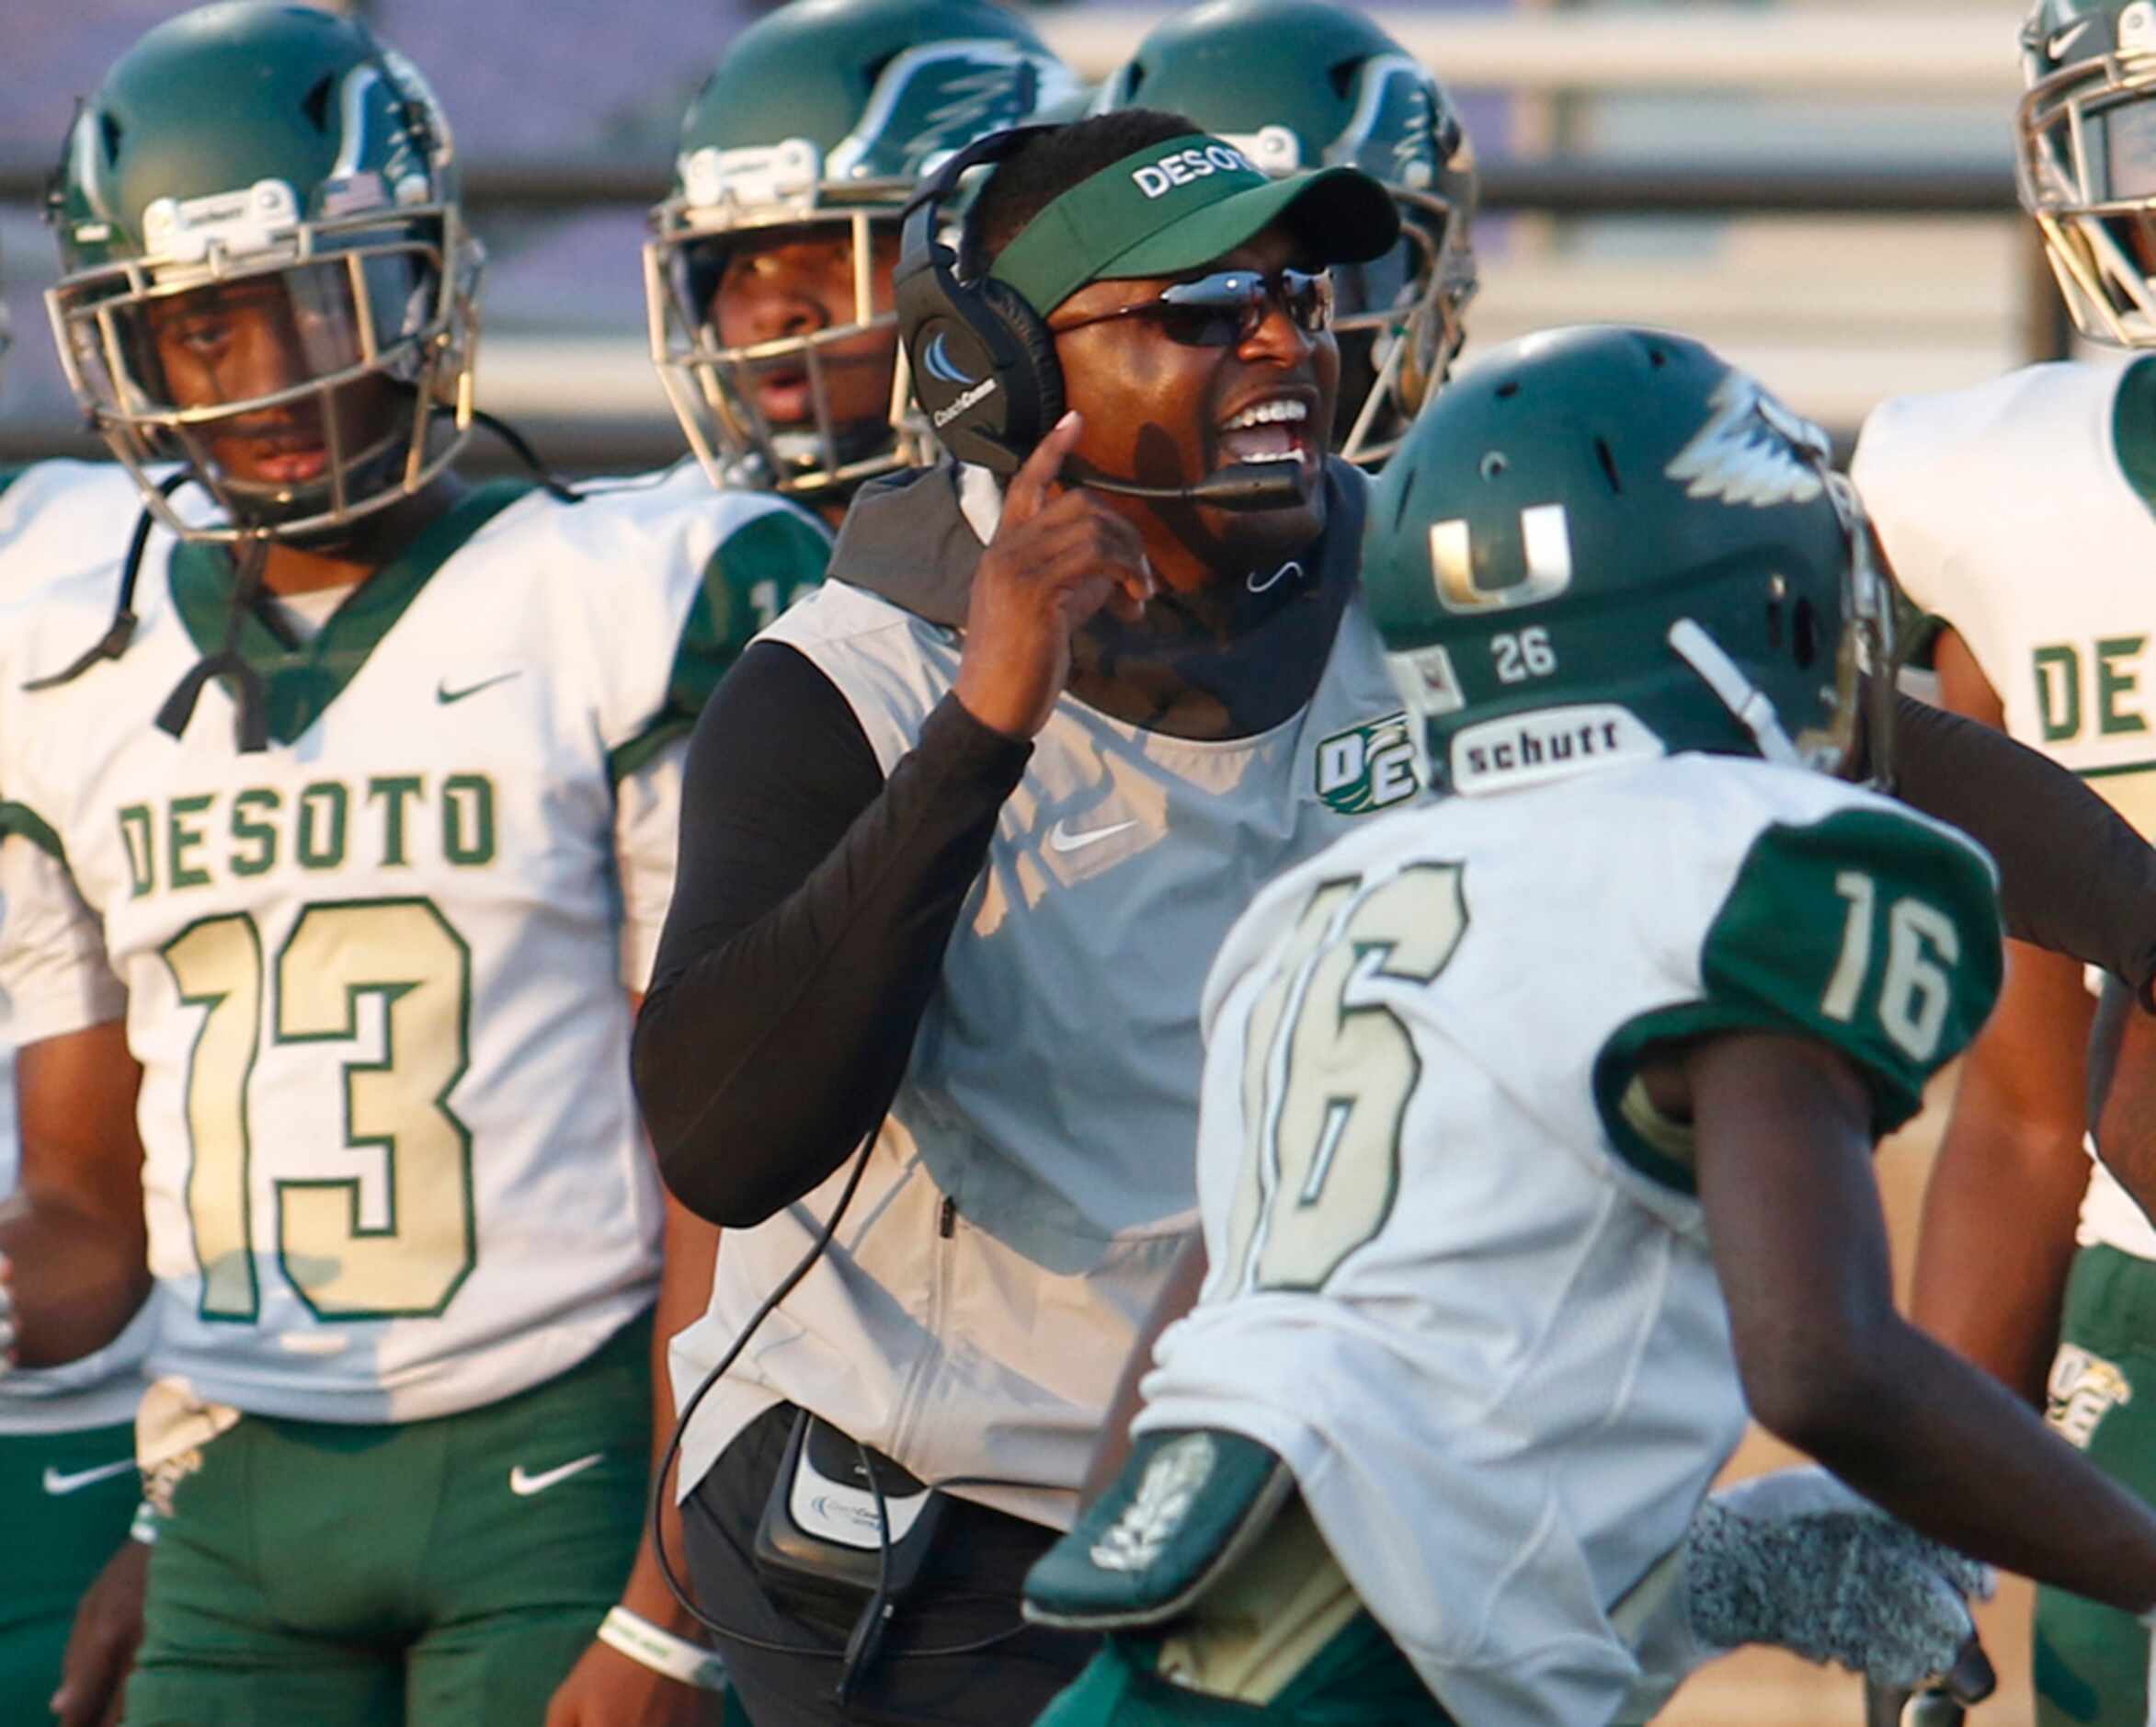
(249, 693)
(121, 631)
(555, 488)
(248, 594)
(1734, 691)
(251, 725)
(250, 719)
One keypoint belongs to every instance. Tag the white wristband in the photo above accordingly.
(144, 1527)
(637, 1638)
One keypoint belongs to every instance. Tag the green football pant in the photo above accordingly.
(440, 1574)
(1358, 1679)
(66, 1499)
(2092, 1661)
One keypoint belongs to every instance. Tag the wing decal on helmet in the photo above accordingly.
(352, 115)
(934, 99)
(1751, 450)
(1393, 131)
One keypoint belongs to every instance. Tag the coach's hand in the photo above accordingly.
(1059, 556)
(606, 1689)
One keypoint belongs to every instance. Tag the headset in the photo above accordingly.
(983, 365)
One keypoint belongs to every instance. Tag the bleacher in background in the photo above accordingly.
(1822, 190)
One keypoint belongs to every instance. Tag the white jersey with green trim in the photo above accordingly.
(2010, 510)
(2022, 513)
(375, 972)
(55, 517)
(1459, 1279)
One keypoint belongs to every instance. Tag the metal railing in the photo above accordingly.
(1559, 186)
(1554, 186)
(1902, 52)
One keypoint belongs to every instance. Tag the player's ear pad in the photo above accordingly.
(1037, 343)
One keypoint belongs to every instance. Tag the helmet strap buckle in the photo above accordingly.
(1734, 691)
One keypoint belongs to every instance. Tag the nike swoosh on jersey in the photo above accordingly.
(2059, 42)
(446, 695)
(57, 1484)
(1061, 838)
(524, 1484)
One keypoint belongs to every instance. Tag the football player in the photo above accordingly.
(1297, 84)
(768, 277)
(68, 1486)
(2018, 513)
(1495, 1267)
(359, 779)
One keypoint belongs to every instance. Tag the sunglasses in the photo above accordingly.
(1228, 307)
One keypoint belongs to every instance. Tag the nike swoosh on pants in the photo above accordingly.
(523, 1483)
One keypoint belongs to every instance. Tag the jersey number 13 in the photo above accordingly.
(404, 953)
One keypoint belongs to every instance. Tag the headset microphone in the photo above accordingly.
(1246, 485)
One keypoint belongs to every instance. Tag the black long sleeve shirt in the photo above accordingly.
(811, 908)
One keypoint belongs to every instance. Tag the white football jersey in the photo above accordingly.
(1459, 1279)
(375, 972)
(56, 517)
(2023, 511)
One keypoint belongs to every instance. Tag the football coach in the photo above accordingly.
(962, 832)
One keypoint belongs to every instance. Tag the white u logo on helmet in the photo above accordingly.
(1545, 539)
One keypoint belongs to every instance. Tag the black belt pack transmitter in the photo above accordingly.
(820, 1529)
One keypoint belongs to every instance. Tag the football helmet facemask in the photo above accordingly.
(1300, 84)
(817, 123)
(1603, 544)
(266, 192)
(2085, 159)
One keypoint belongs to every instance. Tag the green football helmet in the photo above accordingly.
(1605, 544)
(2085, 159)
(1298, 83)
(822, 116)
(286, 155)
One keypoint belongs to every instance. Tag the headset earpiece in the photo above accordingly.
(983, 364)
(1036, 382)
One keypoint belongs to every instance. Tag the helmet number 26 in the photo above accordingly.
(1522, 654)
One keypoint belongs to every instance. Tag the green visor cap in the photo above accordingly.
(1177, 205)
